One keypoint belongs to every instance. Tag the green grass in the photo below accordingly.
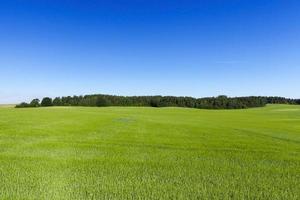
(150, 153)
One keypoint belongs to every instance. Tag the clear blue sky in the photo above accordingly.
(139, 47)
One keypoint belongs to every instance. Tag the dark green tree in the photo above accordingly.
(23, 105)
(57, 102)
(46, 102)
(101, 101)
(35, 103)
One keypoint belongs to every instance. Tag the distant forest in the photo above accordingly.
(220, 102)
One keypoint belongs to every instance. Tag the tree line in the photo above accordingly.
(101, 100)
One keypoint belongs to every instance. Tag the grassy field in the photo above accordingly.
(150, 153)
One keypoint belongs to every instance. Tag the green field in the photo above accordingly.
(150, 153)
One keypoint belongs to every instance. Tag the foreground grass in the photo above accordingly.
(148, 153)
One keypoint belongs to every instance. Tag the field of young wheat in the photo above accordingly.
(150, 153)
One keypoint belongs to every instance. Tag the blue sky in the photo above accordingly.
(158, 47)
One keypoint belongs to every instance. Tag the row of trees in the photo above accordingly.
(220, 102)
(36, 103)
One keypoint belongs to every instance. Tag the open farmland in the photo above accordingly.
(150, 153)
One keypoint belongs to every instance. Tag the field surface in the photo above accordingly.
(150, 153)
